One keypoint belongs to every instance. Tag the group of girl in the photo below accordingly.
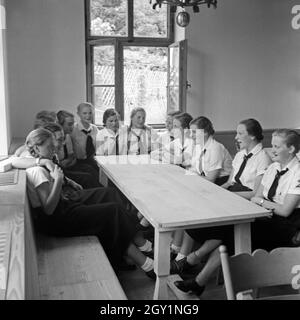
(188, 143)
(271, 180)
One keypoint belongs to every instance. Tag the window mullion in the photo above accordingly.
(130, 19)
(119, 79)
(89, 72)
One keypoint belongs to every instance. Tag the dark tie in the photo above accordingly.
(139, 144)
(129, 141)
(65, 151)
(200, 163)
(117, 145)
(172, 138)
(273, 188)
(89, 148)
(56, 161)
(242, 167)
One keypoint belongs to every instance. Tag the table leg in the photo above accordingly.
(242, 238)
(162, 263)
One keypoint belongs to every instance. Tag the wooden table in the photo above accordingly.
(12, 206)
(171, 199)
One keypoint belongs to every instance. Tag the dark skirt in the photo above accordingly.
(89, 174)
(223, 233)
(275, 232)
(95, 212)
(237, 187)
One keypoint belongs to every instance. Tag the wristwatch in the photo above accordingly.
(261, 202)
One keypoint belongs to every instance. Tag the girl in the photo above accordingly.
(84, 212)
(84, 136)
(212, 161)
(249, 166)
(250, 163)
(67, 159)
(166, 137)
(141, 138)
(179, 150)
(109, 141)
(279, 191)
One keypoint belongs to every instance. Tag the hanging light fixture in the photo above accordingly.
(183, 17)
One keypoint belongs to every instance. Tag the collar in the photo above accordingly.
(292, 165)
(208, 143)
(81, 127)
(255, 150)
(109, 133)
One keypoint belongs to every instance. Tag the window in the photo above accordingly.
(127, 55)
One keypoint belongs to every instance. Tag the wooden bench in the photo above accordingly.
(75, 269)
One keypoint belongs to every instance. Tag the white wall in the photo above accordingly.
(46, 58)
(244, 61)
(4, 112)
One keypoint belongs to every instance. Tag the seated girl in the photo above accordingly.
(166, 137)
(249, 166)
(111, 140)
(279, 191)
(250, 163)
(179, 150)
(141, 139)
(66, 153)
(95, 211)
(210, 159)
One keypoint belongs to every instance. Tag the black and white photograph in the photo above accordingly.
(149, 153)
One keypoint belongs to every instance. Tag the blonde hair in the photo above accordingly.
(291, 138)
(134, 112)
(37, 137)
(48, 116)
(85, 104)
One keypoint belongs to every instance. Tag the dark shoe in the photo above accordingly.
(151, 274)
(173, 255)
(178, 267)
(142, 228)
(149, 254)
(189, 285)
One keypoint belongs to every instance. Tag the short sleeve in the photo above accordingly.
(235, 160)
(69, 144)
(266, 176)
(37, 176)
(215, 159)
(295, 185)
(263, 163)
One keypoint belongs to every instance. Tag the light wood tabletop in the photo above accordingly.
(12, 204)
(171, 198)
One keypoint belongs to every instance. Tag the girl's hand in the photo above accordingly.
(57, 173)
(257, 200)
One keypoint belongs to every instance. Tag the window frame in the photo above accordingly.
(119, 43)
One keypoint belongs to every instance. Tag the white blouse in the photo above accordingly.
(141, 140)
(106, 142)
(35, 177)
(289, 183)
(255, 166)
(79, 139)
(212, 156)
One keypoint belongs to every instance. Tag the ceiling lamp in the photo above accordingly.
(183, 17)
